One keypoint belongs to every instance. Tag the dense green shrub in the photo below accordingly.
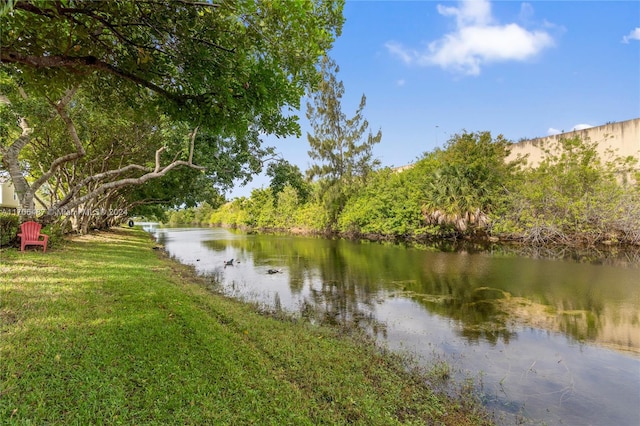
(260, 209)
(182, 217)
(288, 204)
(231, 214)
(574, 195)
(390, 204)
(9, 225)
(313, 216)
(56, 232)
(468, 189)
(469, 182)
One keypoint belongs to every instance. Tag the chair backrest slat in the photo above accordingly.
(31, 230)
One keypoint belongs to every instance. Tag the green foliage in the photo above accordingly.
(137, 77)
(231, 214)
(56, 232)
(468, 189)
(313, 215)
(203, 213)
(182, 187)
(219, 65)
(263, 210)
(344, 159)
(289, 202)
(185, 216)
(9, 226)
(283, 173)
(260, 209)
(573, 195)
(472, 177)
(199, 215)
(389, 204)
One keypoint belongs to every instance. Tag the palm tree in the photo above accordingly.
(455, 200)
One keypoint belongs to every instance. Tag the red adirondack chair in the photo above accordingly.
(30, 236)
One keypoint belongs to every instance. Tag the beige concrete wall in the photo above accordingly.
(622, 137)
(7, 198)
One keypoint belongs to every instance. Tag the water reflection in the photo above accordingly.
(486, 294)
(527, 324)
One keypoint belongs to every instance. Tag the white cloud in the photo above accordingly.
(581, 126)
(633, 35)
(526, 11)
(477, 41)
(399, 51)
(469, 13)
(554, 131)
(400, 83)
(472, 47)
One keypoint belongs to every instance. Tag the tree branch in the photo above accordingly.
(158, 152)
(157, 172)
(193, 138)
(84, 182)
(60, 107)
(62, 61)
(214, 45)
(129, 182)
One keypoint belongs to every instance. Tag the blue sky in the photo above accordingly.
(430, 69)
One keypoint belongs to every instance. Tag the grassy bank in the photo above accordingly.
(105, 330)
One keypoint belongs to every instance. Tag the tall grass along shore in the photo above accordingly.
(104, 330)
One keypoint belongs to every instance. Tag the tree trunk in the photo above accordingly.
(10, 162)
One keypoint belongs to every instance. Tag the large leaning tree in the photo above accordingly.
(100, 98)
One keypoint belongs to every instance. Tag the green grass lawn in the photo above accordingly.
(104, 330)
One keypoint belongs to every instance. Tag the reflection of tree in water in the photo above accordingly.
(480, 318)
(326, 268)
(345, 279)
(217, 245)
(352, 276)
(464, 297)
(486, 293)
(220, 246)
(623, 256)
(161, 238)
(582, 321)
(339, 294)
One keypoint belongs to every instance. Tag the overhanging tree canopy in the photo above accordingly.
(229, 68)
(224, 63)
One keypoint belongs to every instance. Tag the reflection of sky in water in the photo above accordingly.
(541, 374)
(553, 379)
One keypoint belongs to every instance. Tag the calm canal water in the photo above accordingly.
(553, 342)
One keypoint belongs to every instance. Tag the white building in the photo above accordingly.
(8, 196)
(620, 138)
